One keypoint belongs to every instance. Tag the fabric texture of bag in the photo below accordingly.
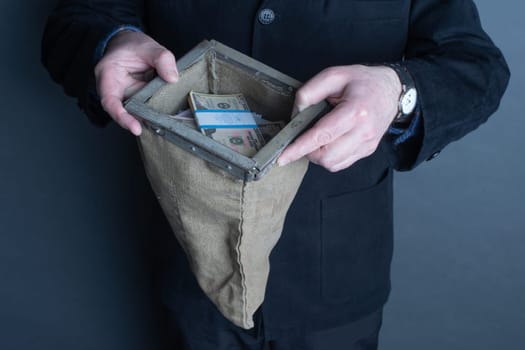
(227, 226)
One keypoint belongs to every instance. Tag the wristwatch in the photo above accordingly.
(408, 98)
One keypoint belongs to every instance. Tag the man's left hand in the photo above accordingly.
(365, 103)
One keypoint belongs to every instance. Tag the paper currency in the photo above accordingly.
(185, 114)
(186, 117)
(201, 101)
(268, 128)
(227, 119)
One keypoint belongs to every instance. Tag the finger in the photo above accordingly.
(344, 151)
(113, 105)
(334, 101)
(330, 82)
(164, 63)
(333, 156)
(328, 129)
(317, 156)
(143, 76)
(111, 93)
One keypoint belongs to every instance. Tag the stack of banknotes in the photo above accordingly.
(228, 119)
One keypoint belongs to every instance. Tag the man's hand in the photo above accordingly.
(129, 62)
(365, 103)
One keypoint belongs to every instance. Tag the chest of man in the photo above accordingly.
(299, 38)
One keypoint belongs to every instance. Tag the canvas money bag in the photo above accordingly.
(227, 211)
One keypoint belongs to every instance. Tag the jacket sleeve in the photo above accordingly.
(460, 75)
(72, 33)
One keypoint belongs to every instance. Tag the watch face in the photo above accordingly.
(408, 101)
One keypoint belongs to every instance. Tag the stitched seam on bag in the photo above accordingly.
(239, 261)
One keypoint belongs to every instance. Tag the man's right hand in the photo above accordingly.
(128, 63)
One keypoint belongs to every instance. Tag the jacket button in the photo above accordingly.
(266, 16)
(434, 155)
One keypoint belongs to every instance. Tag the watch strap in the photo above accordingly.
(407, 83)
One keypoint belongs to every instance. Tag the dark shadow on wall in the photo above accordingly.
(77, 249)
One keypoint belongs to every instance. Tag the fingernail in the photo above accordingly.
(173, 78)
(282, 161)
(136, 130)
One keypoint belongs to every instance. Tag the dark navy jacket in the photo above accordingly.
(332, 263)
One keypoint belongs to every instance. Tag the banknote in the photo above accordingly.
(244, 141)
(186, 117)
(201, 101)
(227, 119)
(268, 128)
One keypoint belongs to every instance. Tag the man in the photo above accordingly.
(406, 77)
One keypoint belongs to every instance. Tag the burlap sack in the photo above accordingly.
(226, 226)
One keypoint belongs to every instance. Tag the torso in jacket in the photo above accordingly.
(332, 262)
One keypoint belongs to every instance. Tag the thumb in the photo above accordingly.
(164, 63)
(328, 83)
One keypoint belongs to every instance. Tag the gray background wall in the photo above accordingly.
(459, 265)
(74, 254)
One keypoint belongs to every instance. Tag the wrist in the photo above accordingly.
(119, 38)
(396, 89)
(104, 44)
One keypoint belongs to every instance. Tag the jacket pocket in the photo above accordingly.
(356, 243)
